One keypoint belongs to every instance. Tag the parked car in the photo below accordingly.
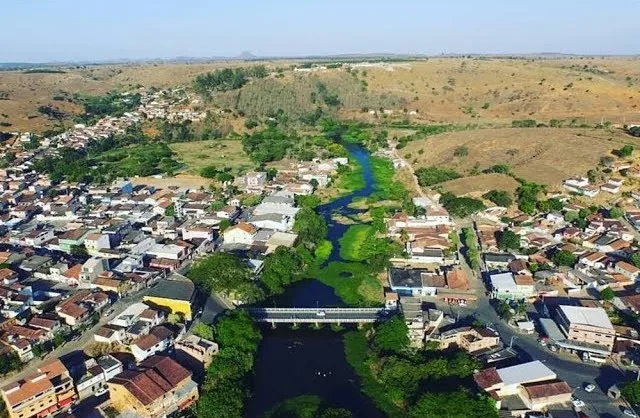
(590, 388)
(577, 403)
(630, 412)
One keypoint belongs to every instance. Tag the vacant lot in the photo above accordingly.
(481, 184)
(219, 153)
(543, 155)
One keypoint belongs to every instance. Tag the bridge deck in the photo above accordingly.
(318, 315)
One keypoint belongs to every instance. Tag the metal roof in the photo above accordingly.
(595, 317)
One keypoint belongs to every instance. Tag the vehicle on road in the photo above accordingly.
(577, 403)
(76, 337)
(630, 412)
(321, 314)
(590, 388)
(109, 312)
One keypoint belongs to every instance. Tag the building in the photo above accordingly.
(43, 393)
(472, 340)
(158, 340)
(97, 373)
(507, 286)
(241, 233)
(586, 328)
(158, 387)
(175, 294)
(533, 384)
(195, 353)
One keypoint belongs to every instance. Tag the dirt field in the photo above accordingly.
(470, 90)
(181, 181)
(481, 184)
(221, 154)
(543, 155)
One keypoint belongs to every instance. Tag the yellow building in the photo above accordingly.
(175, 294)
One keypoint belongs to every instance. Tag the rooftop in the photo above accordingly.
(175, 287)
(595, 317)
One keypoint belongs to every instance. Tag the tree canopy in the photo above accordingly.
(457, 404)
(310, 226)
(392, 336)
(564, 258)
(508, 240)
(281, 268)
(227, 274)
(499, 197)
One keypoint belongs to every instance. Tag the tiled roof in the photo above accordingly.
(487, 378)
(547, 389)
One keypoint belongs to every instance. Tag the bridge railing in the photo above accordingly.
(327, 310)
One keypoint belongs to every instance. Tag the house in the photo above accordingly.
(109, 334)
(79, 306)
(535, 385)
(46, 391)
(94, 242)
(158, 387)
(158, 340)
(472, 340)
(195, 353)
(586, 329)
(627, 269)
(255, 180)
(507, 286)
(242, 233)
(93, 267)
(72, 238)
(497, 261)
(97, 373)
(274, 221)
(176, 294)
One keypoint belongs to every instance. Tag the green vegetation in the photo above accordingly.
(497, 168)
(508, 240)
(631, 392)
(310, 226)
(353, 241)
(460, 207)
(226, 274)
(607, 294)
(499, 197)
(226, 387)
(306, 406)
(461, 151)
(226, 79)
(634, 131)
(616, 212)
(43, 71)
(355, 283)
(386, 187)
(270, 144)
(421, 383)
(9, 362)
(282, 267)
(635, 259)
(127, 155)
(528, 196)
(472, 251)
(564, 258)
(625, 151)
(428, 176)
(350, 178)
(526, 123)
(111, 104)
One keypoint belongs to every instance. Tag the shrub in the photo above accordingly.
(461, 151)
(428, 176)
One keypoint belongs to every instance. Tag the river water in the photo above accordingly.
(299, 362)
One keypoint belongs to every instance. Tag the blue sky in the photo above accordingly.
(50, 30)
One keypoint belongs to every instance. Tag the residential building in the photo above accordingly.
(472, 340)
(43, 393)
(507, 286)
(195, 353)
(158, 387)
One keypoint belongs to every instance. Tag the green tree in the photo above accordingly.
(203, 330)
(635, 259)
(392, 336)
(564, 258)
(499, 197)
(631, 392)
(508, 240)
(458, 404)
(209, 171)
(281, 268)
(616, 212)
(79, 251)
(607, 294)
(310, 226)
(625, 151)
(227, 274)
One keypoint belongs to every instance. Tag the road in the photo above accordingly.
(322, 315)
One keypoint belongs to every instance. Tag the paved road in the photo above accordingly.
(317, 315)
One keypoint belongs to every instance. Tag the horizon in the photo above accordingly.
(163, 30)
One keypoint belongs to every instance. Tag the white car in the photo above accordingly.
(590, 388)
(321, 314)
(630, 413)
(577, 403)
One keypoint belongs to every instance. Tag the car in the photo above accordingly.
(590, 388)
(577, 403)
(630, 412)
(321, 314)
(76, 337)
(109, 312)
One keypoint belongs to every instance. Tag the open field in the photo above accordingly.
(221, 154)
(543, 155)
(481, 184)
(471, 90)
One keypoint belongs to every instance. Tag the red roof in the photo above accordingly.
(547, 389)
(487, 378)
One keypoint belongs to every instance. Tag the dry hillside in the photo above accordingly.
(474, 90)
(543, 155)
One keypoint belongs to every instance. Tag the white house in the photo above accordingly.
(241, 233)
(93, 267)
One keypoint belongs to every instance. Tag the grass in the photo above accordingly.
(305, 406)
(221, 154)
(353, 283)
(356, 350)
(323, 251)
(352, 241)
(387, 188)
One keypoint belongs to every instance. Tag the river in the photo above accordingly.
(299, 362)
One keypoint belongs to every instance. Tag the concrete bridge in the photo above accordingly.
(318, 315)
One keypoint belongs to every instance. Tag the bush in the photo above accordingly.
(499, 197)
(461, 151)
(526, 123)
(625, 151)
(433, 175)
(497, 168)
(460, 207)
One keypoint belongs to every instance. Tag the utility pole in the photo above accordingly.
(513, 338)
